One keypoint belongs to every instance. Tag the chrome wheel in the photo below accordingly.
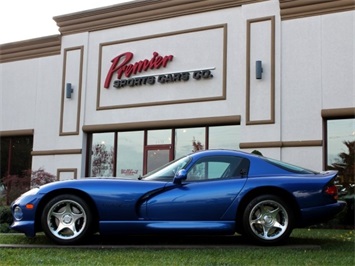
(267, 219)
(66, 219)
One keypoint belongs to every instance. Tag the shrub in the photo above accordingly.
(5, 219)
(16, 185)
(41, 177)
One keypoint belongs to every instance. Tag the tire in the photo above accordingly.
(66, 219)
(267, 220)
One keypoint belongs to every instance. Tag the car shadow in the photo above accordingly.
(169, 240)
(180, 241)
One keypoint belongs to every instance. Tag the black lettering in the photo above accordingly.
(206, 74)
(123, 82)
(130, 82)
(161, 79)
(137, 81)
(151, 80)
(117, 84)
(177, 77)
(185, 76)
(197, 75)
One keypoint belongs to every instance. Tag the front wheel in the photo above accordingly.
(66, 219)
(267, 219)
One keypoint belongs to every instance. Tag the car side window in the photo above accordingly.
(217, 167)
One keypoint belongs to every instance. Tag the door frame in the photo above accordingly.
(147, 148)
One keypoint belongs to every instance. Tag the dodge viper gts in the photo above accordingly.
(209, 192)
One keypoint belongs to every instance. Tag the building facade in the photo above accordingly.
(126, 88)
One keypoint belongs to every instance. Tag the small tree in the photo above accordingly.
(41, 177)
(257, 152)
(102, 160)
(196, 145)
(16, 185)
(345, 164)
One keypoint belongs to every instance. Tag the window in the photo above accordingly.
(133, 154)
(189, 140)
(340, 148)
(224, 137)
(216, 167)
(168, 173)
(157, 137)
(129, 159)
(102, 154)
(289, 167)
(16, 155)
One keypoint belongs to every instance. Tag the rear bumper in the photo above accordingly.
(320, 214)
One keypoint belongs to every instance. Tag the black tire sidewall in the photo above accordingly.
(79, 238)
(247, 230)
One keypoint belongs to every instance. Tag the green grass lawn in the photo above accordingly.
(306, 247)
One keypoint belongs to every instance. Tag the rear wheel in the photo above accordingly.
(66, 219)
(267, 219)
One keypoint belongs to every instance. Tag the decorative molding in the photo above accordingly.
(151, 10)
(78, 89)
(206, 121)
(293, 9)
(338, 113)
(16, 133)
(271, 120)
(56, 152)
(67, 170)
(135, 12)
(281, 144)
(28, 49)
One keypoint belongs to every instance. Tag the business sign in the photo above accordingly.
(123, 70)
(162, 69)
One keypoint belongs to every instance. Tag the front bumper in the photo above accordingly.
(24, 220)
(26, 227)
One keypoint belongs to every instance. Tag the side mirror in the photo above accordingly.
(180, 176)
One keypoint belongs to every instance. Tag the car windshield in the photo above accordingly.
(168, 171)
(290, 167)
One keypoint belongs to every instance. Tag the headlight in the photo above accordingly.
(18, 213)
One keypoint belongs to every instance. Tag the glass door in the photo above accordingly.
(156, 156)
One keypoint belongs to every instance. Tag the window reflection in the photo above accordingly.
(130, 154)
(102, 154)
(157, 158)
(224, 137)
(15, 155)
(129, 150)
(341, 149)
(189, 140)
(158, 137)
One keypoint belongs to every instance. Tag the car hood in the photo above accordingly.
(107, 184)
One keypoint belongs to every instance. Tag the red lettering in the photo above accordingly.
(126, 69)
(127, 57)
(166, 59)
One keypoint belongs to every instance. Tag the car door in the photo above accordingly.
(212, 184)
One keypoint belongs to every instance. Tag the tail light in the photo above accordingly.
(332, 190)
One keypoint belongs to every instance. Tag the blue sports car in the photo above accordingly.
(208, 192)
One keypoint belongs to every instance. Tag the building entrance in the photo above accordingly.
(156, 156)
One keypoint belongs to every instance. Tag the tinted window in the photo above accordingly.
(290, 167)
(168, 171)
(216, 167)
